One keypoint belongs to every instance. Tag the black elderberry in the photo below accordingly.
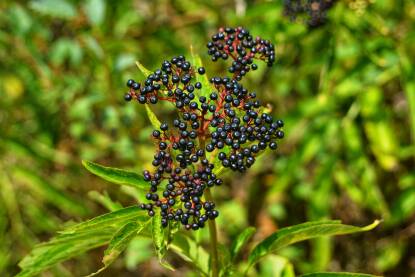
(135, 86)
(130, 82)
(164, 126)
(201, 70)
(198, 85)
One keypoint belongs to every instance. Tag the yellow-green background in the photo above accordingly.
(345, 90)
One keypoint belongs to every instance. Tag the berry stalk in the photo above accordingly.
(213, 235)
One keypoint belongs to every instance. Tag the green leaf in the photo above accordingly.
(225, 261)
(159, 241)
(408, 77)
(337, 274)
(207, 87)
(403, 207)
(152, 117)
(116, 175)
(78, 239)
(191, 252)
(95, 10)
(274, 265)
(158, 235)
(119, 243)
(112, 219)
(241, 241)
(56, 8)
(300, 232)
(143, 70)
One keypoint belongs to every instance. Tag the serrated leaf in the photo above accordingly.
(119, 243)
(241, 241)
(143, 70)
(300, 232)
(78, 239)
(108, 220)
(337, 274)
(152, 117)
(116, 175)
(45, 256)
(159, 241)
(158, 234)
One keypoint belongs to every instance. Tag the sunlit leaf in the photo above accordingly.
(207, 87)
(159, 240)
(55, 8)
(143, 70)
(95, 10)
(152, 117)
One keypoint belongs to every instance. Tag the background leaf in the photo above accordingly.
(241, 241)
(95, 10)
(337, 274)
(58, 8)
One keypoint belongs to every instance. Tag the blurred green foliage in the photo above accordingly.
(346, 91)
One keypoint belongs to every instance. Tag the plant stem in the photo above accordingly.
(213, 234)
(213, 240)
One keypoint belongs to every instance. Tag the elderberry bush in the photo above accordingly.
(228, 127)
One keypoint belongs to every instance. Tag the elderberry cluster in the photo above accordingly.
(314, 10)
(242, 47)
(173, 81)
(184, 173)
(221, 126)
(242, 130)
